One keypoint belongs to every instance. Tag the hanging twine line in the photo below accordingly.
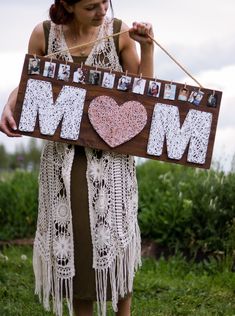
(120, 33)
(176, 61)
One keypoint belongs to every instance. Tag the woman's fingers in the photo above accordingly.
(140, 31)
(142, 28)
(8, 125)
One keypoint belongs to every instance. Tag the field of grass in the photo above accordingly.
(162, 288)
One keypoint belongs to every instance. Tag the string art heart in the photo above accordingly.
(116, 124)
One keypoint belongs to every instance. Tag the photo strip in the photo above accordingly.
(212, 100)
(124, 83)
(49, 69)
(169, 91)
(94, 77)
(196, 97)
(183, 94)
(79, 75)
(139, 85)
(34, 66)
(154, 88)
(64, 72)
(108, 80)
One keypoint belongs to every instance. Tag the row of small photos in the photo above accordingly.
(124, 82)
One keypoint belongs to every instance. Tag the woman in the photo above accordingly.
(87, 221)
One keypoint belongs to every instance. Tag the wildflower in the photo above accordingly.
(3, 257)
(24, 257)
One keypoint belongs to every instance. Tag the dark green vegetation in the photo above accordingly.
(187, 209)
(181, 208)
(18, 204)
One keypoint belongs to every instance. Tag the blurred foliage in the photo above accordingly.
(181, 208)
(18, 204)
(186, 208)
(25, 157)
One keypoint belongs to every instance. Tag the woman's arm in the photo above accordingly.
(128, 53)
(36, 46)
(37, 41)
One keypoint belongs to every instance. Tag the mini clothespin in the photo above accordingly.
(81, 65)
(185, 86)
(110, 71)
(126, 73)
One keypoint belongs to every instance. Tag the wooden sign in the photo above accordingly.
(113, 111)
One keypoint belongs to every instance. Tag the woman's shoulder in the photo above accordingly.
(124, 38)
(46, 25)
(37, 39)
(38, 29)
(117, 23)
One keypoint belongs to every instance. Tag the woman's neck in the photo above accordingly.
(78, 34)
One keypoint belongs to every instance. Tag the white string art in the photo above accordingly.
(195, 131)
(39, 100)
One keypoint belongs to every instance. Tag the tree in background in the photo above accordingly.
(25, 157)
(4, 162)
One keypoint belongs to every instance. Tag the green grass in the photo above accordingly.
(161, 288)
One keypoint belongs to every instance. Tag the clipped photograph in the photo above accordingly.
(108, 80)
(79, 75)
(192, 96)
(49, 69)
(183, 94)
(95, 77)
(169, 91)
(124, 83)
(196, 97)
(139, 85)
(64, 72)
(154, 88)
(34, 66)
(212, 100)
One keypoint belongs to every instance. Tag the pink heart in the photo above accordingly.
(116, 124)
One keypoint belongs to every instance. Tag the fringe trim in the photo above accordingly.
(48, 283)
(121, 274)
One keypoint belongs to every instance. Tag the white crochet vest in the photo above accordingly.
(113, 204)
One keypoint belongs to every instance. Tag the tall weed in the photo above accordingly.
(18, 204)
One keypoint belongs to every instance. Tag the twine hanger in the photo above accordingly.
(120, 33)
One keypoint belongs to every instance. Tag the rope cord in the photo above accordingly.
(120, 33)
(85, 44)
(176, 61)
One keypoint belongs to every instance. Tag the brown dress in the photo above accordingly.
(84, 280)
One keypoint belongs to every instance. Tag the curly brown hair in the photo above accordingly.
(59, 15)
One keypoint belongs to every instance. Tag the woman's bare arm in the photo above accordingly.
(128, 53)
(7, 122)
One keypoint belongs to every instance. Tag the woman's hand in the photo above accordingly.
(139, 32)
(7, 122)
